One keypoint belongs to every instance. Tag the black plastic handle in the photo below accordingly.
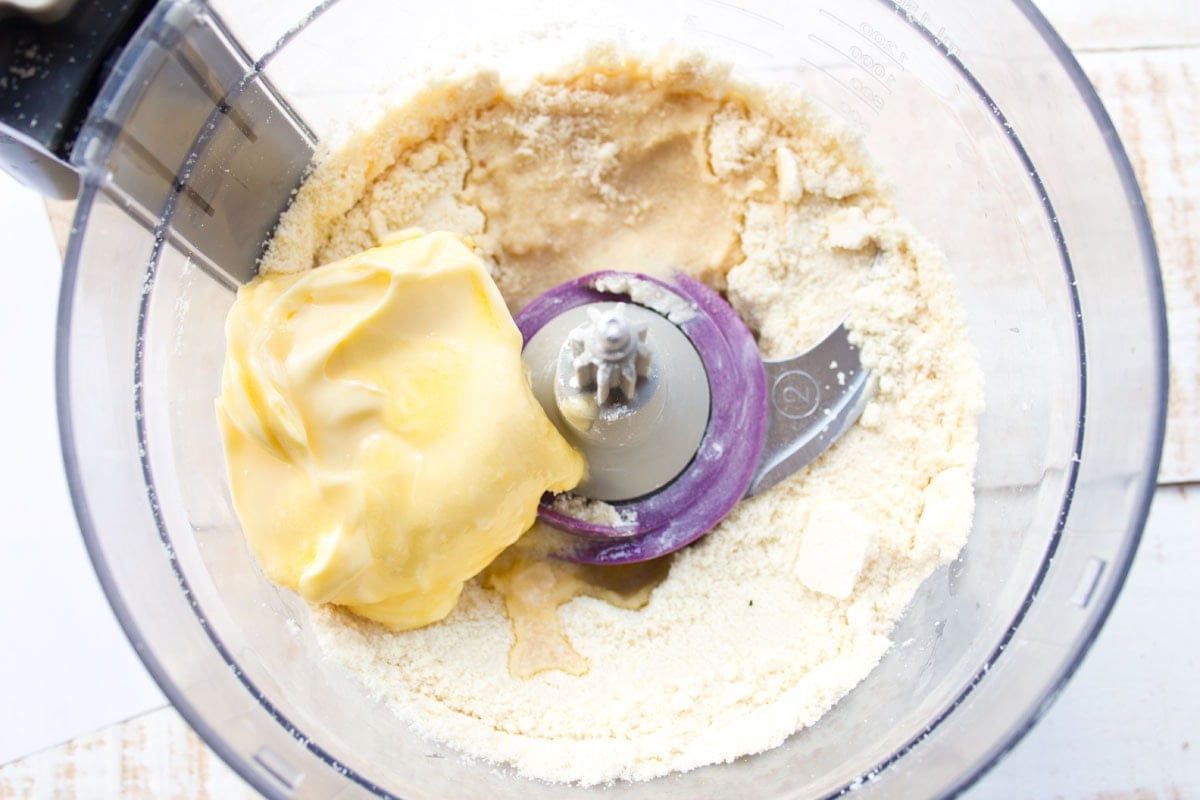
(49, 75)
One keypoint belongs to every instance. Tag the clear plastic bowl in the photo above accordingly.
(999, 151)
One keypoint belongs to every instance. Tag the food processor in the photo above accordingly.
(184, 127)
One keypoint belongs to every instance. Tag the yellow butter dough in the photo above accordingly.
(382, 442)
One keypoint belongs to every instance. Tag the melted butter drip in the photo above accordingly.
(534, 586)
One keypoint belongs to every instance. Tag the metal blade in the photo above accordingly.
(813, 399)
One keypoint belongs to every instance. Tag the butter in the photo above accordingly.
(382, 442)
(534, 587)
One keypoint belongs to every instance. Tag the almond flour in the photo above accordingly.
(762, 625)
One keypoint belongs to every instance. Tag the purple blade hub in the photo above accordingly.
(725, 462)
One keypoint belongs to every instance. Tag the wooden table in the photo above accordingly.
(1128, 725)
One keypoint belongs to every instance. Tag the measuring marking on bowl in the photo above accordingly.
(855, 85)
(873, 36)
(924, 19)
(843, 108)
(885, 59)
(881, 69)
(862, 89)
(855, 55)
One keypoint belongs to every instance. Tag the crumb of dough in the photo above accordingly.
(653, 166)
(598, 511)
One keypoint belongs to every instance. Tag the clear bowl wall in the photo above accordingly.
(999, 152)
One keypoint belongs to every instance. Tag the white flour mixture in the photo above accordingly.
(777, 613)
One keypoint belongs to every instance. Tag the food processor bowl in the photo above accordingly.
(999, 151)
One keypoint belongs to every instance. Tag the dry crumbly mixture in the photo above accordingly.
(767, 621)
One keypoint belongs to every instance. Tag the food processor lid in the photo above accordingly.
(50, 61)
(150, 129)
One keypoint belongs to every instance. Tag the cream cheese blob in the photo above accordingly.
(382, 442)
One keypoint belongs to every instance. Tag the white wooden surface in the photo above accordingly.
(1128, 725)
(1153, 96)
(1144, 60)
